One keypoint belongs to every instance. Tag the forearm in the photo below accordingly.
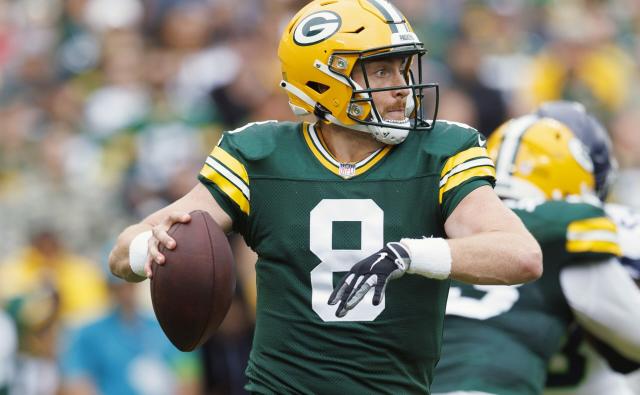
(119, 256)
(496, 257)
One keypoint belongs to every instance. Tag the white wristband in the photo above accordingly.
(138, 250)
(430, 257)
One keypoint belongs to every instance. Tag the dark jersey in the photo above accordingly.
(310, 218)
(498, 339)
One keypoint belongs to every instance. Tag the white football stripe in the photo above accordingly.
(235, 180)
(320, 147)
(465, 166)
(593, 235)
(510, 144)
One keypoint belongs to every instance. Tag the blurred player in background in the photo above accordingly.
(124, 352)
(498, 339)
(317, 200)
(586, 365)
(36, 318)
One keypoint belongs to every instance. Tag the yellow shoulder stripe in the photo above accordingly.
(607, 247)
(227, 187)
(459, 178)
(232, 163)
(592, 224)
(598, 235)
(461, 157)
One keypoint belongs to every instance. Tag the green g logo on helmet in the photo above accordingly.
(317, 27)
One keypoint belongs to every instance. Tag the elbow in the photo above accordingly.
(116, 258)
(112, 263)
(531, 262)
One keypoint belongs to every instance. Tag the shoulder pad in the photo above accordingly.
(584, 228)
(256, 140)
(448, 137)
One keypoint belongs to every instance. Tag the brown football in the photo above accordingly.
(191, 293)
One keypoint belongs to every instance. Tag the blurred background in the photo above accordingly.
(108, 108)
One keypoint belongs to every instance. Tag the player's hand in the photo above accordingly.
(160, 237)
(374, 271)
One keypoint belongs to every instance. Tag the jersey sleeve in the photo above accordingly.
(592, 238)
(225, 175)
(466, 170)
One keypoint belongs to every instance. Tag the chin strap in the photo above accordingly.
(391, 136)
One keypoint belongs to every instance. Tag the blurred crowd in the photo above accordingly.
(108, 108)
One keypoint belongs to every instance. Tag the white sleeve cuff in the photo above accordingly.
(138, 250)
(430, 257)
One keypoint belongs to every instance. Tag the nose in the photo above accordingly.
(399, 80)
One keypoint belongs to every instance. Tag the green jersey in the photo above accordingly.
(310, 218)
(499, 339)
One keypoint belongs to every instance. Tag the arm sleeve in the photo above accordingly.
(463, 172)
(606, 303)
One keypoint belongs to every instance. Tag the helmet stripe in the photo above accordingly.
(393, 17)
(510, 145)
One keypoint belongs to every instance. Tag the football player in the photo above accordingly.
(350, 196)
(580, 369)
(499, 339)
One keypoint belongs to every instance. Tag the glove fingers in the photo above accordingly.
(378, 294)
(344, 292)
(360, 291)
(339, 291)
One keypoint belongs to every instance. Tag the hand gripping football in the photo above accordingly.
(191, 293)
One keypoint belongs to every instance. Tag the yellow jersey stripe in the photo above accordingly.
(226, 186)
(377, 158)
(461, 157)
(230, 162)
(583, 246)
(324, 145)
(333, 168)
(457, 179)
(592, 224)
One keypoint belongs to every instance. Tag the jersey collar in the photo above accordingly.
(345, 170)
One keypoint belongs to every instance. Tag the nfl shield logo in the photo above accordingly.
(347, 170)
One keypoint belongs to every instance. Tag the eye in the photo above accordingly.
(381, 72)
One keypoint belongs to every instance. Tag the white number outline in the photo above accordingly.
(498, 300)
(371, 217)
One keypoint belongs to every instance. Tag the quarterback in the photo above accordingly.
(499, 340)
(359, 220)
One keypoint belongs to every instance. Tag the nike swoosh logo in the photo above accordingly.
(381, 256)
(481, 142)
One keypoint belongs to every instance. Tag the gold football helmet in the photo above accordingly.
(319, 49)
(541, 158)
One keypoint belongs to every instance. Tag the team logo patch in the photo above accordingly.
(317, 27)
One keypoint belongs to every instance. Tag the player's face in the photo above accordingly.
(386, 73)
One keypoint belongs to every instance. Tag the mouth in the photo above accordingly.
(395, 115)
(397, 121)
